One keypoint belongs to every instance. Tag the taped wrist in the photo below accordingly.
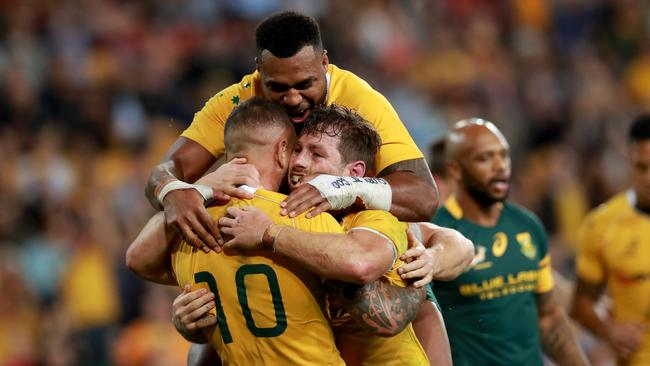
(205, 191)
(342, 192)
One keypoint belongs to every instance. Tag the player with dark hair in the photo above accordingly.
(614, 253)
(501, 311)
(293, 70)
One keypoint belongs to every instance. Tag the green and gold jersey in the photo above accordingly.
(490, 310)
(270, 310)
(344, 88)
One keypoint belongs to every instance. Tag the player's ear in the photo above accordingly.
(356, 168)
(282, 149)
(326, 60)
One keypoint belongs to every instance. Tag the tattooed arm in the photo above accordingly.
(379, 308)
(558, 339)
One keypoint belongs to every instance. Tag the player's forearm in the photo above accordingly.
(332, 256)
(202, 355)
(149, 254)
(194, 337)
(383, 309)
(583, 311)
(162, 174)
(452, 253)
(185, 160)
(415, 195)
(558, 339)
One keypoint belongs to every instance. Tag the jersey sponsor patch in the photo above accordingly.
(526, 243)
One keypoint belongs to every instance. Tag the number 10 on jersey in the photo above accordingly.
(242, 296)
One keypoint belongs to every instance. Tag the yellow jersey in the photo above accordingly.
(344, 88)
(614, 248)
(270, 310)
(404, 347)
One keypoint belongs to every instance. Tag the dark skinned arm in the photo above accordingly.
(415, 195)
(185, 160)
(185, 209)
(558, 340)
(585, 298)
(202, 355)
(624, 337)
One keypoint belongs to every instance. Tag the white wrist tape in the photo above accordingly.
(342, 192)
(205, 191)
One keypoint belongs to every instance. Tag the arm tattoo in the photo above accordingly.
(557, 337)
(382, 309)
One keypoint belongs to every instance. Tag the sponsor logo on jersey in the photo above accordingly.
(526, 245)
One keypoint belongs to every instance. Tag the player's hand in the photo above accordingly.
(228, 177)
(184, 210)
(246, 226)
(190, 310)
(420, 263)
(302, 199)
(626, 338)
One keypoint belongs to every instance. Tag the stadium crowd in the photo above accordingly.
(93, 92)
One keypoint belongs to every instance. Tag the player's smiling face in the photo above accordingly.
(315, 154)
(297, 83)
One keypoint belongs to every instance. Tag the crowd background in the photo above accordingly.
(92, 92)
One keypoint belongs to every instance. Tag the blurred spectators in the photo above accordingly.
(93, 92)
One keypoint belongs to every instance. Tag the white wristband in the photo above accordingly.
(342, 192)
(205, 191)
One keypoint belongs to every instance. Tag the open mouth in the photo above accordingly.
(500, 185)
(299, 117)
(295, 179)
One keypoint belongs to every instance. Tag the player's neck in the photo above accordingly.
(270, 180)
(483, 214)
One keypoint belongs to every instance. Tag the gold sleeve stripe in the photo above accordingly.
(546, 261)
(545, 281)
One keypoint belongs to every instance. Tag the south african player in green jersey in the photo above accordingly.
(501, 311)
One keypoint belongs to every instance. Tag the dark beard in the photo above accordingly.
(482, 197)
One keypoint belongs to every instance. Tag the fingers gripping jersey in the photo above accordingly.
(345, 89)
(269, 310)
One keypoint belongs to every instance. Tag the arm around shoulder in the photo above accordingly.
(149, 255)
(451, 250)
(415, 194)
